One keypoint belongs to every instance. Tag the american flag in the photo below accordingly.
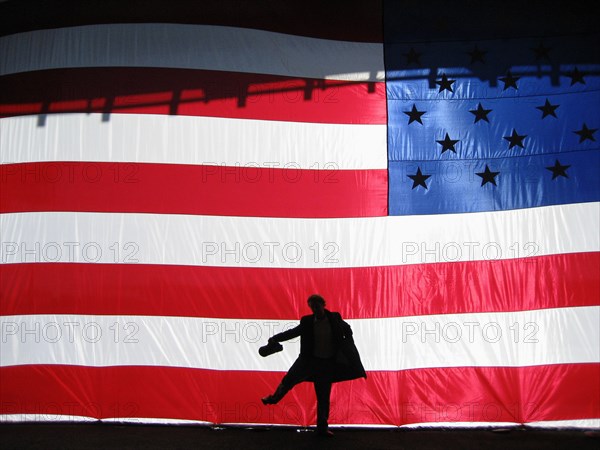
(175, 187)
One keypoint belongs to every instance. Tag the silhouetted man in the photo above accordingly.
(327, 355)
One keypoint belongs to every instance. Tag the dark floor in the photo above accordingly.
(105, 436)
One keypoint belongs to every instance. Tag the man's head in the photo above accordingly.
(317, 304)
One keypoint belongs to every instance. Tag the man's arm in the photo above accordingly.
(287, 335)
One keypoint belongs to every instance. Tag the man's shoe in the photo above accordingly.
(268, 400)
(325, 433)
(276, 397)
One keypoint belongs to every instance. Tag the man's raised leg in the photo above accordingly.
(299, 371)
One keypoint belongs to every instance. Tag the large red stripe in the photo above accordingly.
(188, 92)
(352, 20)
(464, 394)
(192, 189)
(369, 292)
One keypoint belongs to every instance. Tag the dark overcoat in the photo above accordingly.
(348, 365)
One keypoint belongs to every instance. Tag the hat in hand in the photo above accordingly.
(270, 348)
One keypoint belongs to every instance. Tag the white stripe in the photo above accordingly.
(190, 47)
(298, 243)
(507, 425)
(511, 339)
(192, 140)
(524, 338)
(155, 420)
(41, 417)
(579, 423)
